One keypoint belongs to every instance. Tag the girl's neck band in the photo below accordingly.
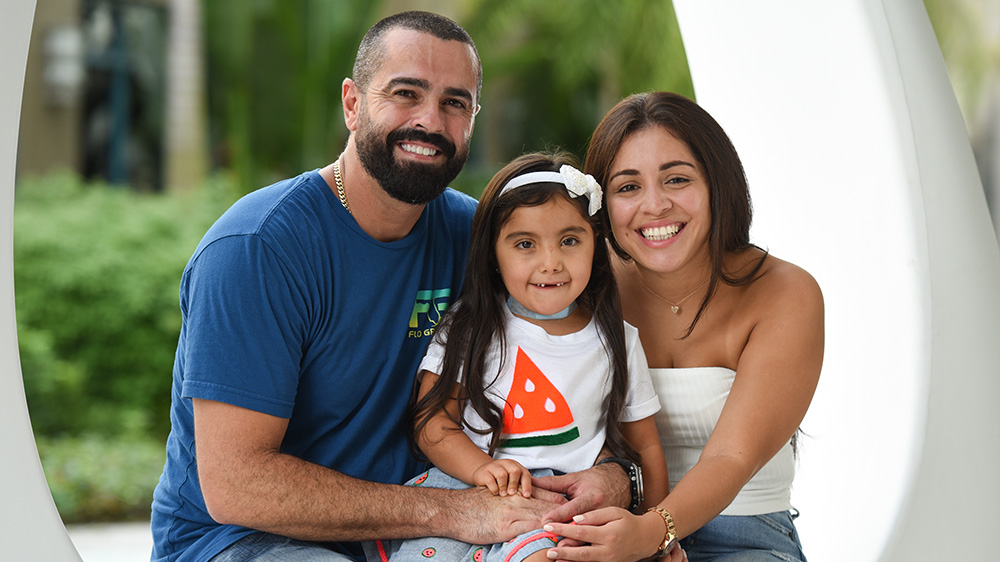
(520, 310)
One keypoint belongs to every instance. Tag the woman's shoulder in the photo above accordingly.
(781, 271)
(778, 282)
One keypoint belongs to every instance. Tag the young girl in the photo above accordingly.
(533, 371)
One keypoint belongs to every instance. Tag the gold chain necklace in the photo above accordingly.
(340, 185)
(675, 307)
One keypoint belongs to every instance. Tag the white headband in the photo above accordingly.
(577, 183)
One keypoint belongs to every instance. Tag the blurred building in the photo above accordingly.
(114, 91)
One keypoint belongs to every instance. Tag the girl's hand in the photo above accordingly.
(503, 477)
(611, 535)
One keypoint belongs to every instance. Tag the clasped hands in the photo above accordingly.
(594, 532)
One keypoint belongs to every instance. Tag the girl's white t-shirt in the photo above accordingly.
(552, 390)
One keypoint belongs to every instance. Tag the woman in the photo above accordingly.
(733, 337)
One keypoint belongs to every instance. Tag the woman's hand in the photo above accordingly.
(611, 535)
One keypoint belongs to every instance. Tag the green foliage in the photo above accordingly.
(551, 70)
(100, 479)
(96, 272)
(275, 70)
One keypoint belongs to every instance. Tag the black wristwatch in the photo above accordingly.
(634, 473)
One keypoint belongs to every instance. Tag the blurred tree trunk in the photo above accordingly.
(186, 130)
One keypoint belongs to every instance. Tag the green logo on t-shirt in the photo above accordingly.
(428, 308)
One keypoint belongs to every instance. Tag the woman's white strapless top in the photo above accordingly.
(692, 401)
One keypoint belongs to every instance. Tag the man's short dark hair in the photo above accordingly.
(371, 50)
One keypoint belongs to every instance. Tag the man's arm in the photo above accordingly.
(247, 481)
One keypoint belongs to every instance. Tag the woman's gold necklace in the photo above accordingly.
(341, 194)
(675, 307)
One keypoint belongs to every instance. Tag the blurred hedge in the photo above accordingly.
(96, 272)
(94, 478)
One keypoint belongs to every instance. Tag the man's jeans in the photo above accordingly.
(265, 547)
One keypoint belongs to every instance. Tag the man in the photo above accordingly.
(306, 310)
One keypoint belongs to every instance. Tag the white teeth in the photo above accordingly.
(421, 150)
(660, 233)
(550, 284)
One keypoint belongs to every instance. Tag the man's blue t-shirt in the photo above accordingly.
(290, 309)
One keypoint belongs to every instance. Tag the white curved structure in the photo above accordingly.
(861, 172)
(31, 526)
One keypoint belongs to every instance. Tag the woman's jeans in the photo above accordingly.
(746, 538)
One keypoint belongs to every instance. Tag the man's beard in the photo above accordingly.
(414, 183)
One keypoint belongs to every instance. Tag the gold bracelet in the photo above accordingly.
(670, 536)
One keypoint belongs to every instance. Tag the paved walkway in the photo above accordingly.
(112, 542)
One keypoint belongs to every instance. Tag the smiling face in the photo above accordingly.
(416, 117)
(545, 254)
(658, 201)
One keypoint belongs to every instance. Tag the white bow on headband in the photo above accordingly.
(577, 183)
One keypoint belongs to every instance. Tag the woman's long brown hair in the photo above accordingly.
(729, 194)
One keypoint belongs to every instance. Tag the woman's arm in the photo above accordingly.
(776, 377)
(645, 439)
(777, 374)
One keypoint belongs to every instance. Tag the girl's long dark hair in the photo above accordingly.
(476, 322)
(729, 194)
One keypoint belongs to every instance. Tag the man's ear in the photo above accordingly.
(351, 100)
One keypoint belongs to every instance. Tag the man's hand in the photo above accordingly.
(476, 516)
(604, 485)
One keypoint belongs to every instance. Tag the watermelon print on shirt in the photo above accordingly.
(536, 414)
